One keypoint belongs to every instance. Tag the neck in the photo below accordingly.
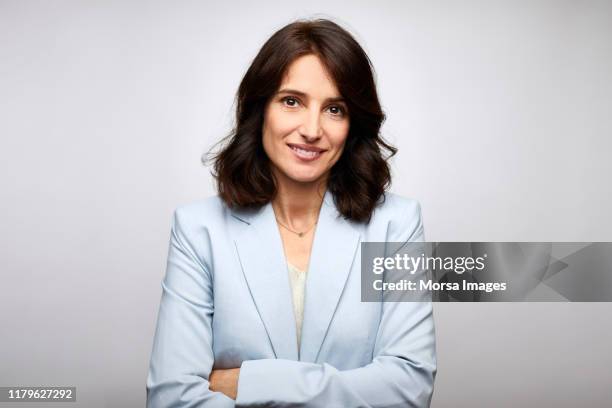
(297, 205)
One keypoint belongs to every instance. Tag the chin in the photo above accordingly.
(304, 178)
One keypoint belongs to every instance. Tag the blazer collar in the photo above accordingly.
(262, 257)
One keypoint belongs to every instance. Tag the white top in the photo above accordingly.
(297, 279)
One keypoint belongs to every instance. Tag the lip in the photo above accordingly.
(310, 148)
(313, 152)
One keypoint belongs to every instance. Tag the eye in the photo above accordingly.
(337, 110)
(290, 101)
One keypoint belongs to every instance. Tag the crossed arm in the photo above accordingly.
(181, 373)
(225, 381)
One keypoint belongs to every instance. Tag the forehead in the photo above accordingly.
(308, 74)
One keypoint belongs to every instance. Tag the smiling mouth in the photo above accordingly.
(305, 154)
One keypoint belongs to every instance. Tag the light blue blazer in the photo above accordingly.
(226, 303)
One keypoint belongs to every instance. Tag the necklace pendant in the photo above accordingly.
(300, 234)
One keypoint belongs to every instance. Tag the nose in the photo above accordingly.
(311, 127)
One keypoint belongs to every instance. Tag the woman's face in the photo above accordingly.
(305, 124)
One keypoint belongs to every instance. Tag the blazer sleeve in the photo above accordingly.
(401, 373)
(182, 356)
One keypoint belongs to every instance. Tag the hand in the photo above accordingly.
(225, 381)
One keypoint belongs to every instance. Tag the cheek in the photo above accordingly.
(278, 125)
(269, 134)
(338, 135)
(276, 128)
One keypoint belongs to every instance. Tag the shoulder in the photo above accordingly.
(401, 215)
(196, 215)
(212, 205)
(398, 207)
(195, 223)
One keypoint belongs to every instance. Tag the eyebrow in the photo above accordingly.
(305, 95)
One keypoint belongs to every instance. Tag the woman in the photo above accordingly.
(261, 298)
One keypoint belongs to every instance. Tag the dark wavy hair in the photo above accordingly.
(361, 175)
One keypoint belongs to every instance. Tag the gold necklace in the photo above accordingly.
(299, 234)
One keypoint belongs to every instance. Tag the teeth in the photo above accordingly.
(305, 152)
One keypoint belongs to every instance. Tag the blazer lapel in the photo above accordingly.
(262, 258)
(332, 254)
